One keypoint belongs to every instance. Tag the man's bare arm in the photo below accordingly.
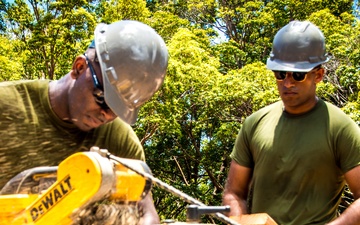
(351, 216)
(150, 216)
(236, 189)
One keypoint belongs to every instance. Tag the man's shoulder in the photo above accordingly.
(117, 123)
(331, 107)
(24, 101)
(336, 115)
(269, 109)
(268, 112)
(24, 83)
(120, 139)
(116, 128)
(22, 89)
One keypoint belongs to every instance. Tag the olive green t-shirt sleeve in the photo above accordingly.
(241, 152)
(119, 139)
(346, 139)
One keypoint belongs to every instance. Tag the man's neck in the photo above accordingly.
(58, 95)
(296, 110)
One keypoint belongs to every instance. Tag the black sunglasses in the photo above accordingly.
(297, 76)
(98, 90)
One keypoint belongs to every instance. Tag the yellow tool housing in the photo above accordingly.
(82, 178)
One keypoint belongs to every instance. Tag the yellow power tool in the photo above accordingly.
(81, 179)
(56, 195)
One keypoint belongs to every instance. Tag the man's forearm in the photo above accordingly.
(150, 216)
(237, 206)
(351, 216)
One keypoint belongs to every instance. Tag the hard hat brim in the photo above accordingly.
(112, 97)
(118, 105)
(279, 65)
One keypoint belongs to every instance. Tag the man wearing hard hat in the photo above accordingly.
(42, 122)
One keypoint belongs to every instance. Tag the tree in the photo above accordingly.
(170, 127)
(342, 40)
(10, 66)
(3, 7)
(249, 25)
(114, 10)
(188, 129)
(52, 34)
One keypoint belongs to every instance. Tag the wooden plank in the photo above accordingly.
(257, 219)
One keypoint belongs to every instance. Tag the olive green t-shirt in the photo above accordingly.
(298, 161)
(32, 135)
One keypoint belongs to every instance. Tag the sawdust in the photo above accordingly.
(108, 213)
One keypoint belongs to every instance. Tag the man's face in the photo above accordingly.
(297, 94)
(84, 108)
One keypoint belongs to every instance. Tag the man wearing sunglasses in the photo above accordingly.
(44, 122)
(295, 156)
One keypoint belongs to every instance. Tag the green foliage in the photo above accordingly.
(177, 121)
(3, 6)
(189, 127)
(253, 24)
(52, 33)
(167, 24)
(195, 126)
(353, 110)
(230, 55)
(212, 84)
(342, 40)
(114, 10)
(326, 90)
(10, 67)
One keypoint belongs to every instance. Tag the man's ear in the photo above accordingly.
(79, 67)
(319, 75)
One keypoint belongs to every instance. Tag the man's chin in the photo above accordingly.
(85, 127)
(289, 100)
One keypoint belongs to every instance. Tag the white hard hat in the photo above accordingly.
(133, 60)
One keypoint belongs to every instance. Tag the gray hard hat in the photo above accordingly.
(133, 60)
(298, 46)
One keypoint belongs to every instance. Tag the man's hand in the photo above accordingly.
(236, 189)
(351, 216)
(150, 216)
